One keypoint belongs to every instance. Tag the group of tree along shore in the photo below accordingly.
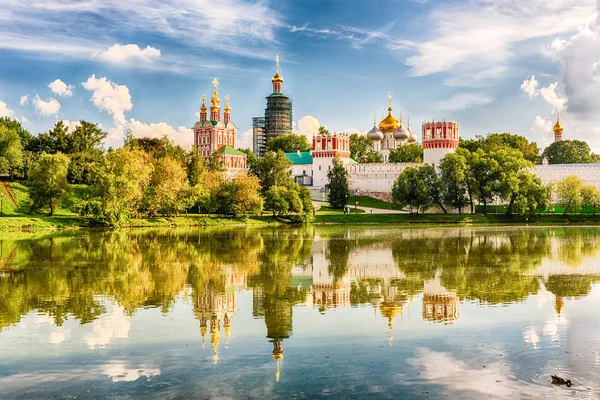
(146, 177)
(484, 171)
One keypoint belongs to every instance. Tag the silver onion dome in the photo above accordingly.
(412, 138)
(401, 133)
(375, 134)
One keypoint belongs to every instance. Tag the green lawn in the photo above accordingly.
(370, 202)
(327, 210)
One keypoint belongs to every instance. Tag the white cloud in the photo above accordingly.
(118, 53)
(112, 325)
(462, 101)
(4, 110)
(478, 78)
(71, 125)
(110, 97)
(50, 107)
(119, 372)
(24, 119)
(474, 35)
(307, 126)
(549, 94)
(530, 87)
(24, 100)
(183, 136)
(234, 26)
(542, 131)
(244, 140)
(60, 88)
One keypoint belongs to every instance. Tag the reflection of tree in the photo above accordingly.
(338, 253)
(571, 285)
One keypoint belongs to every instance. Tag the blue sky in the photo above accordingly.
(493, 65)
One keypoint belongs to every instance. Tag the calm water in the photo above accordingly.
(301, 313)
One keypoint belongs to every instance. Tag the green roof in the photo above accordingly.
(231, 150)
(352, 161)
(303, 157)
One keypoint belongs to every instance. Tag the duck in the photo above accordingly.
(557, 380)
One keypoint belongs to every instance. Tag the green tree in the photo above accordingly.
(337, 186)
(56, 140)
(119, 184)
(11, 155)
(48, 182)
(483, 172)
(273, 169)
(410, 153)
(156, 147)
(323, 131)
(361, 149)
(290, 143)
(529, 150)
(168, 188)
(531, 195)
(453, 175)
(590, 197)
(568, 193)
(568, 152)
(196, 169)
(510, 163)
(434, 185)
(24, 135)
(216, 163)
(86, 138)
(410, 190)
(240, 195)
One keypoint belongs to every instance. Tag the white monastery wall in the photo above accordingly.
(588, 173)
(434, 156)
(375, 177)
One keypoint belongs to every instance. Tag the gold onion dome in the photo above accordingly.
(389, 124)
(389, 309)
(203, 106)
(558, 127)
(227, 108)
(375, 133)
(277, 78)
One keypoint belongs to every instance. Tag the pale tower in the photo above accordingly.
(325, 148)
(439, 138)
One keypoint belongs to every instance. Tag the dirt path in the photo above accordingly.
(9, 194)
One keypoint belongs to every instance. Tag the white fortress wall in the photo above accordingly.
(381, 177)
(588, 173)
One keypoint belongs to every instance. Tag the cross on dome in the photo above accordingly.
(390, 99)
(215, 83)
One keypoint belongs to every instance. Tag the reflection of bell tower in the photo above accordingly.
(277, 356)
(203, 323)
(439, 305)
(559, 304)
(215, 329)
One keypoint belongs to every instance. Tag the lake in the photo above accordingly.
(325, 311)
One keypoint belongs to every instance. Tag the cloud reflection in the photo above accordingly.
(114, 324)
(120, 373)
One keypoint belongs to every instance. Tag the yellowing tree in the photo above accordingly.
(568, 193)
(48, 181)
(168, 187)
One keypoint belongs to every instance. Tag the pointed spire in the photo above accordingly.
(409, 122)
(277, 79)
(400, 117)
(389, 99)
(374, 119)
(277, 63)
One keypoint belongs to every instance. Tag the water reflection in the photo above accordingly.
(103, 279)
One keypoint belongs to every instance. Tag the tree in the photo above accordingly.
(482, 176)
(410, 190)
(529, 150)
(196, 169)
(453, 170)
(568, 193)
(434, 185)
(510, 163)
(48, 182)
(323, 131)
(86, 138)
(156, 147)
(241, 195)
(337, 186)
(24, 135)
(530, 197)
(119, 184)
(361, 149)
(168, 188)
(216, 163)
(590, 197)
(290, 143)
(11, 155)
(273, 169)
(410, 153)
(568, 152)
(56, 140)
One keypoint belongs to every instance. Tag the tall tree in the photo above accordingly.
(410, 190)
(168, 188)
(361, 149)
(530, 196)
(569, 152)
(530, 150)
(241, 195)
(568, 193)
(196, 168)
(24, 135)
(11, 155)
(48, 182)
(290, 143)
(453, 174)
(273, 169)
(590, 197)
(434, 185)
(410, 153)
(323, 131)
(337, 186)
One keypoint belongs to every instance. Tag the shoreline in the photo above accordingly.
(57, 223)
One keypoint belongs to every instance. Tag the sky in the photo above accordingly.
(492, 65)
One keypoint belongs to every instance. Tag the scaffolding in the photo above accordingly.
(259, 142)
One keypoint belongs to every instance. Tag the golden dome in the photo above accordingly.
(389, 124)
(558, 127)
(227, 108)
(277, 78)
(389, 309)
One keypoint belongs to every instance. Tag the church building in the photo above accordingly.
(218, 135)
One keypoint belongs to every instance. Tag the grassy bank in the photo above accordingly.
(454, 219)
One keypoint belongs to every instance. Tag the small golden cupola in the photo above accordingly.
(389, 124)
(215, 110)
(558, 129)
(203, 109)
(277, 79)
(227, 112)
